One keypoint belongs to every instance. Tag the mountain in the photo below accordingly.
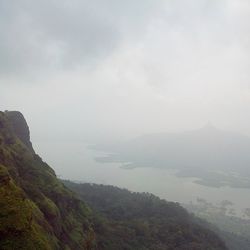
(37, 211)
(217, 157)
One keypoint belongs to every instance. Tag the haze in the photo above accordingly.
(152, 96)
(101, 70)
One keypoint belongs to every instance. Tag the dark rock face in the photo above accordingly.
(20, 127)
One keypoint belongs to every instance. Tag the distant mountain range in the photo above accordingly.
(215, 156)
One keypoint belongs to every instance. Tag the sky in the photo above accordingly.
(110, 69)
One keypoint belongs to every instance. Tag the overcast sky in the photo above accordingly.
(112, 68)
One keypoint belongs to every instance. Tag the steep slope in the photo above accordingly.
(36, 210)
(126, 220)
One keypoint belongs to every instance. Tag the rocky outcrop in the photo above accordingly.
(20, 127)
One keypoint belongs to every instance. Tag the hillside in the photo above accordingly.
(143, 221)
(38, 212)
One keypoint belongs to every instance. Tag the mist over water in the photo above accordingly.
(75, 161)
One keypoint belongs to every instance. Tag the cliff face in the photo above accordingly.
(36, 210)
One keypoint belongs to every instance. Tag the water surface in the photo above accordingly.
(76, 162)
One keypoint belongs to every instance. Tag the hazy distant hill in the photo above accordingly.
(217, 157)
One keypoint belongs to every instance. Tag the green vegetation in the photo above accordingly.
(126, 220)
(37, 211)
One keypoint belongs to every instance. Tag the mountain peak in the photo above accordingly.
(20, 127)
(209, 126)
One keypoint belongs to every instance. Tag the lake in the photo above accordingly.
(75, 161)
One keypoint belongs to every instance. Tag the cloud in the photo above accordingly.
(47, 35)
(118, 68)
(196, 38)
